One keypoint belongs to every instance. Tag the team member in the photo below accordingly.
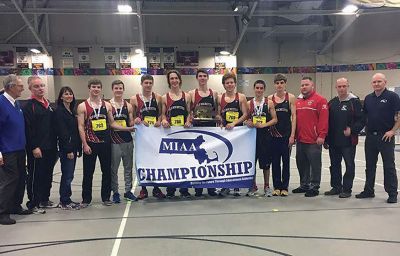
(204, 107)
(175, 112)
(232, 107)
(147, 111)
(41, 146)
(122, 142)
(282, 134)
(261, 116)
(69, 144)
(12, 151)
(346, 120)
(311, 130)
(382, 109)
(94, 122)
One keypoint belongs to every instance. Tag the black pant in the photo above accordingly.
(308, 160)
(281, 150)
(103, 151)
(348, 154)
(12, 181)
(373, 146)
(40, 177)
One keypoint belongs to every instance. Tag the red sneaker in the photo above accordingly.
(143, 194)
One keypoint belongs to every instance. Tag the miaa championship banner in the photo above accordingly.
(199, 157)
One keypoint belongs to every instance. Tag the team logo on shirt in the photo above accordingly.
(324, 106)
(192, 145)
(310, 102)
(383, 101)
(344, 108)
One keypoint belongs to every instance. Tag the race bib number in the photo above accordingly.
(232, 116)
(121, 123)
(151, 120)
(259, 119)
(177, 120)
(99, 125)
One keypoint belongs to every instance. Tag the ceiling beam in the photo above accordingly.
(141, 25)
(35, 34)
(14, 34)
(244, 27)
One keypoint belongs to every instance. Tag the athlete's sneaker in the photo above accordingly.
(107, 203)
(284, 192)
(224, 191)
(212, 193)
(236, 192)
(47, 205)
(130, 196)
(116, 198)
(267, 192)
(36, 210)
(70, 206)
(84, 205)
(276, 192)
(186, 195)
(252, 192)
(143, 194)
(158, 194)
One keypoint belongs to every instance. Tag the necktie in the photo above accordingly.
(16, 105)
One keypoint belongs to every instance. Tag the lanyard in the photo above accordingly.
(146, 107)
(258, 109)
(96, 113)
(117, 113)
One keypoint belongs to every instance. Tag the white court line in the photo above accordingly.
(121, 229)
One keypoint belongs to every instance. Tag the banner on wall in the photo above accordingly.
(125, 57)
(83, 58)
(110, 61)
(169, 58)
(67, 58)
(220, 61)
(22, 57)
(187, 58)
(37, 61)
(208, 157)
(6, 58)
(154, 57)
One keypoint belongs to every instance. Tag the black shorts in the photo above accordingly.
(263, 149)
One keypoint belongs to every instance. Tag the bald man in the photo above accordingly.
(382, 110)
(346, 120)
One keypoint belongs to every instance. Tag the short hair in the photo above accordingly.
(227, 76)
(307, 78)
(31, 78)
(175, 72)
(280, 77)
(94, 81)
(259, 82)
(146, 77)
(201, 70)
(60, 94)
(115, 82)
(10, 81)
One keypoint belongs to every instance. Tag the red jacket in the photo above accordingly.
(312, 118)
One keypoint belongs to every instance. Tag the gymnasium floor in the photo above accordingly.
(231, 226)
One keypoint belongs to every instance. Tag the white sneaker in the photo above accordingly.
(268, 192)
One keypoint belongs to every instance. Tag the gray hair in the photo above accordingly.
(10, 81)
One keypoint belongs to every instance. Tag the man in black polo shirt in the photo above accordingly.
(382, 109)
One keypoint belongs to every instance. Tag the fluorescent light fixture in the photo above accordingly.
(138, 51)
(124, 8)
(34, 50)
(224, 52)
(351, 8)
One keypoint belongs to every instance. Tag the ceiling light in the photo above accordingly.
(34, 50)
(124, 8)
(224, 53)
(351, 8)
(138, 51)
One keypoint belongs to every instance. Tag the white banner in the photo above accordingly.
(208, 157)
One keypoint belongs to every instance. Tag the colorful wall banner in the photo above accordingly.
(208, 157)
(169, 58)
(83, 57)
(6, 58)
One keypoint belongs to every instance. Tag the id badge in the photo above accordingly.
(259, 119)
(151, 120)
(177, 120)
(232, 116)
(121, 123)
(99, 125)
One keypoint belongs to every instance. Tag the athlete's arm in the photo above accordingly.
(81, 112)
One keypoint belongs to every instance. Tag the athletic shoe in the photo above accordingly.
(332, 192)
(107, 203)
(276, 192)
(116, 198)
(364, 194)
(392, 199)
(47, 205)
(84, 205)
(130, 196)
(212, 193)
(158, 194)
(186, 195)
(70, 206)
(143, 194)
(267, 192)
(311, 193)
(224, 191)
(299, 190)
(36, 210)
(236, 192)
(345, 194)
(252, 192)
(6, 220)
(284, 192)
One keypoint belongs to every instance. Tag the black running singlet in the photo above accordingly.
(121, 116)
(230, 112)
(283, 112)
(97, 124)
(147, 111)
(176, 111)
